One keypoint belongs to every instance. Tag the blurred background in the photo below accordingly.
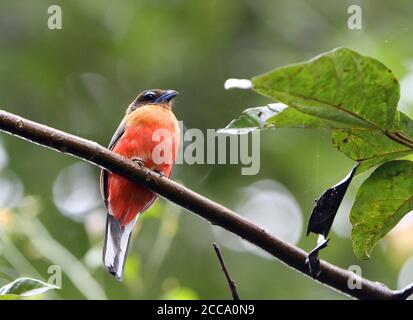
(80, 79)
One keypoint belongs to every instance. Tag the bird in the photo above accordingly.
(149, 123)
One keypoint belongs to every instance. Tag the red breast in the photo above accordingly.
(127, 199)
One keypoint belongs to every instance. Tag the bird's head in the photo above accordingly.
(153, 96)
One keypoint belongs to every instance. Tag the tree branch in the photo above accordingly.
(231, 283)
(404, 293)
(215, 213)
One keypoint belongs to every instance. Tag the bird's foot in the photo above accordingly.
(139, 161)
(160, 173)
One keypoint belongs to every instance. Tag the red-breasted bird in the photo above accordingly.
(136, 138)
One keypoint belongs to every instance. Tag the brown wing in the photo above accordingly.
(103, 173)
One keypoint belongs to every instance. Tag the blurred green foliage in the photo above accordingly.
(80, 79)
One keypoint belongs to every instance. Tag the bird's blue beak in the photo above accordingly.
(167, 96)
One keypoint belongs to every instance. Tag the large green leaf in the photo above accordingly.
(24, 287)
(292, 118)
(371, 147)
(381, 201)
(405, 126)
(340, 85)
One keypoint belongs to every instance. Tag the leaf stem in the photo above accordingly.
(400, 138)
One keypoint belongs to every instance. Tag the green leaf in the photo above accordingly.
(25, 287)
(253, 118)
(406, 125)
(368, 147)
(276, 115)
(372, 147)
(381, 202)
(340, 85)
(292, 118)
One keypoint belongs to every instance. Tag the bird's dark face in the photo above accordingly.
(154, 96)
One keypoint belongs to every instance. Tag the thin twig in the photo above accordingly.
(215, 213)
(231, 283)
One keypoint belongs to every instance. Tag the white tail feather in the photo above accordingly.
(116, 245)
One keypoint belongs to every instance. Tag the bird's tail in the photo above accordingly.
(116, 245)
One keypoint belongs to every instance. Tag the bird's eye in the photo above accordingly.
(149, 95)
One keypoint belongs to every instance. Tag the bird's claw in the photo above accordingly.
(160, 173)
(139, 161)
